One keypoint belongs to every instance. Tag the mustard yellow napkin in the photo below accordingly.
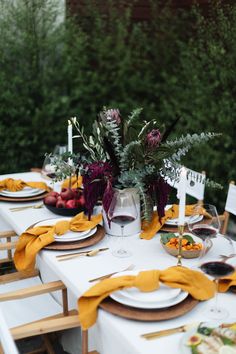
(150, 229)
(226, 282)
(195, 283)
(15, 185)
(34, 239)
(75, 183)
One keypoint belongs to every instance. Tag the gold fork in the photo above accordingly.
(38, 206)
(90, 253)
(130, 267)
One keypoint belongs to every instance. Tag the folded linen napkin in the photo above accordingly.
(15, 185)
(194, 282)
(226, 282)
(150, 229)
(34, 239)
(75, 183)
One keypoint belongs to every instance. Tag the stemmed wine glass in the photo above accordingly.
(204, 221)
(48, 169)
(214, 260)
(122, 211)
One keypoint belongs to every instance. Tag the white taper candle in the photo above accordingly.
(182, 195)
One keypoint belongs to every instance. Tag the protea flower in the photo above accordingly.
(153, 138)
(111, 114)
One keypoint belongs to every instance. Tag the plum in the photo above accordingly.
(60, 203)
(71, 203)
(66, 194)
(53, 194)
(50, 200)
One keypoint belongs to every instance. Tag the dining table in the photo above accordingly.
(112, 334)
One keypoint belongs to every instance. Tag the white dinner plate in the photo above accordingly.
(69, 235)
(174, 222)
(146, 305)
(26, 192)
(164, 293)
(163, 297)
(78, 238)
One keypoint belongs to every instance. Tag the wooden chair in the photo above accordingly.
(7, 344)
(18, 286)
(230, 207)
(8, 245)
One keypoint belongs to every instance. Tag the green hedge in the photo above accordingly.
(178, 63)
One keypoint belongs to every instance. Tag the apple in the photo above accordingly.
(66, 194)
(50, 200)
(81, 201)
(60, 203)
(71, 203)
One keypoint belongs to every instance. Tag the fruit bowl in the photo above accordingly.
(170, 244)
(64, 211)
(69, 202)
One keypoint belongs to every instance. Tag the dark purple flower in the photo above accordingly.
(95, 178)
(111, 114)
(159, 190)
(153, 138)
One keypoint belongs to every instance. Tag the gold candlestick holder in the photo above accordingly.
(181, 232)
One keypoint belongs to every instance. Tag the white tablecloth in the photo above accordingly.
(112, 334)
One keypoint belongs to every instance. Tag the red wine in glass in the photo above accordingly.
(122, 220)
(217, 269)
(204, 231)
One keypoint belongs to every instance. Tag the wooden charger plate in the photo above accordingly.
(23, 199)
(90, 241)
(148, 315)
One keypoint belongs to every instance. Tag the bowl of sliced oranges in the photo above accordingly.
(191, 245)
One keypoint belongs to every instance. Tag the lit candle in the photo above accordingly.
(70, 143)
(182, 195)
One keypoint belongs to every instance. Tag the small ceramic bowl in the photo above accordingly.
(185, 253)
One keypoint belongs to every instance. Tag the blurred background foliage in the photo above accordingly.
(180, 62)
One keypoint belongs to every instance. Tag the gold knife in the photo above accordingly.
(167, 332)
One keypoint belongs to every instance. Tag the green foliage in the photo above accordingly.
(179, 63)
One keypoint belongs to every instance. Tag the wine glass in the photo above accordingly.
(122, 211)
(204, 221)
(48, 169)
(60, 150)
(214, 260)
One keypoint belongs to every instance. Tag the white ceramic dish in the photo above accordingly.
(163, 297)
(70, 235)
(142, 305)
(174, 222)
(26, 192)
(78, 238)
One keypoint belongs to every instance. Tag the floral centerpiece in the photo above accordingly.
(131, 153)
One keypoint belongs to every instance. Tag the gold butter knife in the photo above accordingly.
(167, 332)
